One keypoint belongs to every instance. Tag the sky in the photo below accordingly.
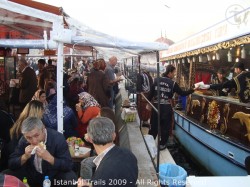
(147, 20)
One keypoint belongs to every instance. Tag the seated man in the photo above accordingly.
(41, 152)
(113, 163)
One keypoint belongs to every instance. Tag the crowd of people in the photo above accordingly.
(36, 149)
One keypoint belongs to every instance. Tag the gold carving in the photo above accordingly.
(244, 119)
(213, 116)
(195, 103)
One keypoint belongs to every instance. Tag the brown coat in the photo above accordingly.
(98, 86)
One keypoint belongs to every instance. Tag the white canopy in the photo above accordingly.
(53, 31)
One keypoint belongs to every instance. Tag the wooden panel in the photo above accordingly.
(222, 115)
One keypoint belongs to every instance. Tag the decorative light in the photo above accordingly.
(189, 60)
(200, 58)
(213, 57)
(179, 61)
(194, 59)
(217, 55)
(208, 57)
(237, 60)
(183, 60)
(243, 53)
(229, 56)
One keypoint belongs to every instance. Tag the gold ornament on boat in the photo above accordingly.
(188, 104)
(244, 119)
(223, 126)
(195, 103)
(213, 115)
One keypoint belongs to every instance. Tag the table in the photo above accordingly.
(84, 153)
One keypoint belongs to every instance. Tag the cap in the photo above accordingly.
(239, 65)
(221, 71)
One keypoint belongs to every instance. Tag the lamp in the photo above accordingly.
(243, 53)
(229, 56)
(200, 58)
(213, 57)
(217, 56)
(179, 61)
(194, 58)
(208, 57)
(183, 61)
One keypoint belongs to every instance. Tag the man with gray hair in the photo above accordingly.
(110, 73)
(41, 152)
(115, 166)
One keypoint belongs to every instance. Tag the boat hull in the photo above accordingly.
(218, 155)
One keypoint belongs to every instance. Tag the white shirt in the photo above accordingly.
(99, 158)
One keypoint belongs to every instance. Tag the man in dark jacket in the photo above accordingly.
(41, 152)
(167, 88)
(115, 166)
(27, 82)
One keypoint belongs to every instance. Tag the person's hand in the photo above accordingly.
(28, 151)
(44, 154)
(78, 106)
(118, 79)
(86, 137)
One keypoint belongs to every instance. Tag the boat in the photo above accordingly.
(213, 129)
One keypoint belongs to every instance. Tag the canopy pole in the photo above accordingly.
(60, 88)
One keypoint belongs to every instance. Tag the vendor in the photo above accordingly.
(220, 79)
(241, 83)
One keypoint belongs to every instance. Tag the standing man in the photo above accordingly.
(41, 152)
(143, 85)
(43, 75)
(113, 164)
(167, 89)
(110, 73)
(27, 82)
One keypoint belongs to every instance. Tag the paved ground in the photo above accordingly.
(132, 138)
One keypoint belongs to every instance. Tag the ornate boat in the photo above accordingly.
(214, 129)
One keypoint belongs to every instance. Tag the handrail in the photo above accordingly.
(149, 102)
(129, 79)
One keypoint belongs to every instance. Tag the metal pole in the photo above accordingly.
(158, 107)
(60, 88)
(133, 75)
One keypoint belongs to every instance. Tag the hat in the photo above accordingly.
(239, 65)
(221, 71)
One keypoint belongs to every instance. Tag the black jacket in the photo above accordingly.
(117, 168)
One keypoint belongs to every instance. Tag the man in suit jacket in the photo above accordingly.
(41, 152)
(27, 82)
(115, 166)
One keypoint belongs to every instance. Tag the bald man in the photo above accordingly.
(110, 73)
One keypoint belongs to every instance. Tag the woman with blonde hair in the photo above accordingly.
(33, 109)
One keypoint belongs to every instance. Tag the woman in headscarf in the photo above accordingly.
(40, 95)
(87, 109)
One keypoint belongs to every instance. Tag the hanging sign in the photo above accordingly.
(49, 52)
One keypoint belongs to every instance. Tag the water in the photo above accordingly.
(183, 159)
(46, 182)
